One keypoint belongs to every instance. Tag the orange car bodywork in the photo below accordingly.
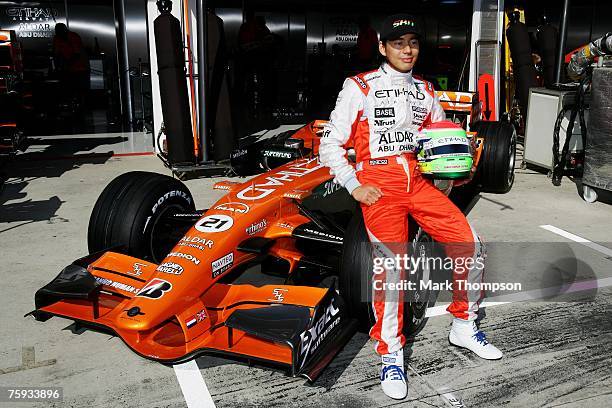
(172, 311)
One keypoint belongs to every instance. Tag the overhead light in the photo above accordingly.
(445, 37)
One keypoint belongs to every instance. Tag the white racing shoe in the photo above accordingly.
(392, 376)
(465, 334)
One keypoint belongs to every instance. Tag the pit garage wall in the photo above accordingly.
(487, 26)
(307, 33)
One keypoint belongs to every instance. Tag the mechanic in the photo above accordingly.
(381, 113)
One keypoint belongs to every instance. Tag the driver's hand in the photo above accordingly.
(367, 194)
(460, 182)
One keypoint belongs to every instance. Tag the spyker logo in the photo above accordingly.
(137, 269)
(312, 338)
(278, 295)
(155, 289)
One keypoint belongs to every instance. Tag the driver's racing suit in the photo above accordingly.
(380, 113)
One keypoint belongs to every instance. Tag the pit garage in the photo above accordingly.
(172, 236)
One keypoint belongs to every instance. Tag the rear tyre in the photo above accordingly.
(495, 172)
(133, 211)
(356, 269)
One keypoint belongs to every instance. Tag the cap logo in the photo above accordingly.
(398, 23)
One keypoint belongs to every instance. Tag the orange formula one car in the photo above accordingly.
(274, 272)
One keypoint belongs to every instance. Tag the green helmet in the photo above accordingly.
(445, 151)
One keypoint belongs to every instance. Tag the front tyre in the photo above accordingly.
(133, 212)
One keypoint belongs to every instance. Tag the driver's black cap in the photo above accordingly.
(397, 25)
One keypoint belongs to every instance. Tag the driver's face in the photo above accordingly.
(401, 53)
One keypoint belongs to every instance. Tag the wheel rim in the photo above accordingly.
(421, 301)
(161, 233)
(511, 162)
(589, 194)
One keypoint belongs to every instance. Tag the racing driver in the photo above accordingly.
(381, 113)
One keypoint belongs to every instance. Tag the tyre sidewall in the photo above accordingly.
(499, 140)
(144, 207)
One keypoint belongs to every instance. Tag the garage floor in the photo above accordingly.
(556, 353)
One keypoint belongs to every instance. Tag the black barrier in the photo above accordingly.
(520, 51)
(173, 89)
(547, 43)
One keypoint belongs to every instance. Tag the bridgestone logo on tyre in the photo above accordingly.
(169, 194)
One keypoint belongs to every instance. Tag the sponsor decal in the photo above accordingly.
(285, 225)
(32, 22)
(330, 187)
(116, 285)
(384, 112)
(188, 215)
(196, 242)
(397, 92)
(389, 360)
(280, 178)
(277, 154)
(195, 319)
(196, 246)
(238, 153)
(171, 268)
(378, 162)
(155, 289)
(346, 30)
(215, 223)
(278, 295)
(400, 136)
(134, 311)
(420, 116)
(398, 23)
(189, 257)
(323, 234)
(326, 133)
(382, 122)
(312, 338)
(256, 227)
(222, 264)
(420, 109)
(170, 194)
(360, 82)
(296, 194)
(137, 269)
(449, 140)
